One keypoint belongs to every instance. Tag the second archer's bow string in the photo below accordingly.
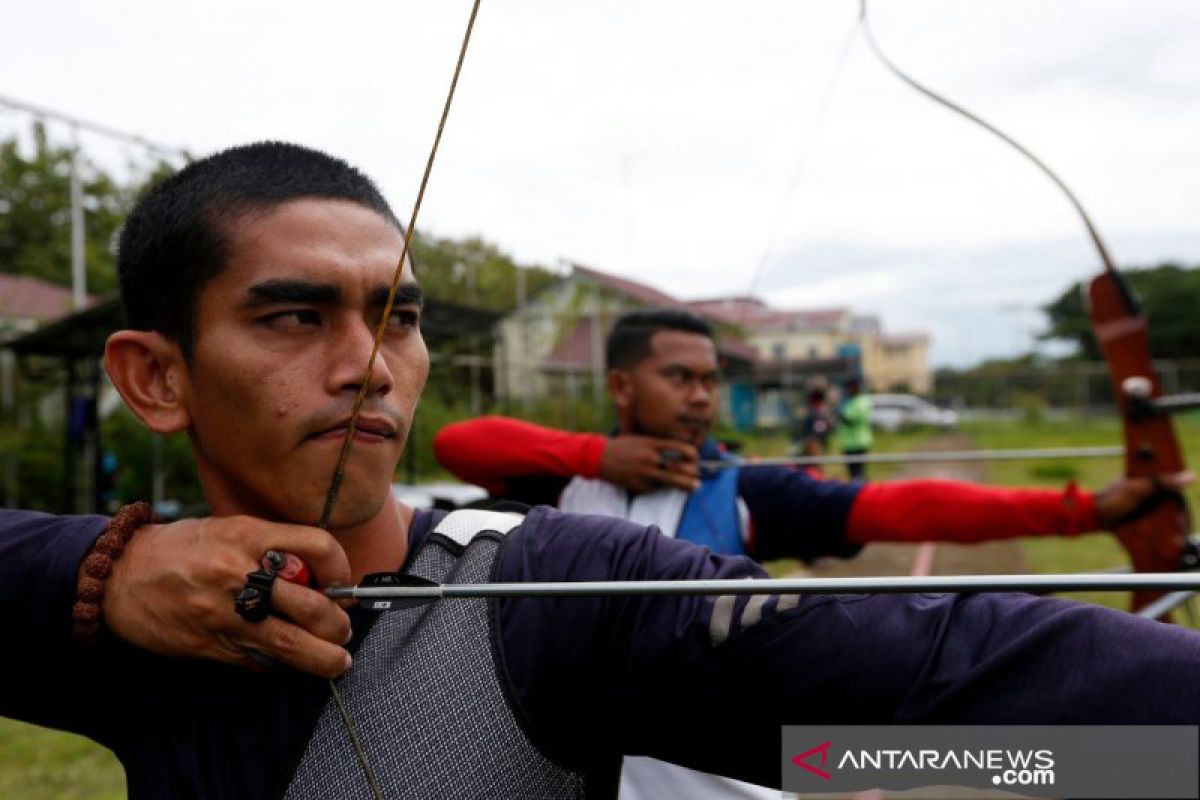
(339, 471)
(1092, 230)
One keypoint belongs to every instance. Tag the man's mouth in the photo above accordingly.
(693, 427)
(367, 429)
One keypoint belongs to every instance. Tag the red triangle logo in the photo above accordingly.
(802, 760)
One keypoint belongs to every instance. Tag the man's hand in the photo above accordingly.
(645, 463)
(1128, 498)
(172, 593)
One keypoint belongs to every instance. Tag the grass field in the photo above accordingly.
(38, 764)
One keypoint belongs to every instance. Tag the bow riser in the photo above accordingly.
(1158, 540)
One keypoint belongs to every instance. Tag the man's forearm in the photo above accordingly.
(956, 511)
(490, 450)
(39, 565)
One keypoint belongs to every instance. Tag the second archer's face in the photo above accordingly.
(283, 335)
(673, 391)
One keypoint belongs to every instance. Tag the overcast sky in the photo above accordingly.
(664, 139)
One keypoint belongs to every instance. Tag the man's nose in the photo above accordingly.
(700, 393)
(350, 354)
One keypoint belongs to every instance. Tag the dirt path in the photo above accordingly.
(948, 559)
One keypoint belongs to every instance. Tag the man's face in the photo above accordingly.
(284, 333)
(672, 392)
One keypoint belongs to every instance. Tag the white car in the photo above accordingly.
(891, 412)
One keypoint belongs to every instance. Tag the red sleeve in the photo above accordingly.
(954, 511)
(488, 450)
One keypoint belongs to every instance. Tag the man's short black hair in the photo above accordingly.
(176, 239)
(629, 340)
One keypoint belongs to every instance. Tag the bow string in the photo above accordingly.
(343, 455)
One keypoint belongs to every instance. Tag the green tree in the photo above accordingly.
(35, 211)
(473, 272)
(1168, 292)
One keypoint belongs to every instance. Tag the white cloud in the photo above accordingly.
(656, 139)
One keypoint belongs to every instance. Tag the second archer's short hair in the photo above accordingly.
(176, 239)
(629, 340)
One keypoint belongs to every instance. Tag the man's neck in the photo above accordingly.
(378, 545)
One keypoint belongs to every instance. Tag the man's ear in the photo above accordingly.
(620, 388)
(149, 371)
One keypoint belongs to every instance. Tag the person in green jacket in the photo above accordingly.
(854, 429)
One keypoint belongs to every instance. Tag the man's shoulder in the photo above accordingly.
(546, 521)
(554, 545)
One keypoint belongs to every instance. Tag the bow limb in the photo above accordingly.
(1158, 540)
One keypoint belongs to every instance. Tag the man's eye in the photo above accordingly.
(294, 319)
(404, 318)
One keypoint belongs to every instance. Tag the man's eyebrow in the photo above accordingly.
(407, 294)
(686, 370)
(293, 291)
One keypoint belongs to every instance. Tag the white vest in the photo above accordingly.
(662, 507)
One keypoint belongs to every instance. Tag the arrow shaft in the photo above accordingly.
(938, 584)
(935, 457)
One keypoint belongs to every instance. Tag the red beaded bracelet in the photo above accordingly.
(98, 566)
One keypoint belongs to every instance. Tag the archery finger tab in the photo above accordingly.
(315, 550)
(288, 566)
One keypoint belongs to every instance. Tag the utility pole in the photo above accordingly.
(78, 262)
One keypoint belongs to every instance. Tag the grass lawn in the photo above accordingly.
(38, 764)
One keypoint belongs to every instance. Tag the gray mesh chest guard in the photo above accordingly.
(425, 694)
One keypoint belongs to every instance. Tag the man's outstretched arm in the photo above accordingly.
(707, 682)
(493, 452)
(794, 515)
(172, 590)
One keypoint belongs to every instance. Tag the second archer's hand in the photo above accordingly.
(1126, 499)
(172, 593)
(645, 463)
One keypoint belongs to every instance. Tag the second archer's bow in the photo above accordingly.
(1158, 540)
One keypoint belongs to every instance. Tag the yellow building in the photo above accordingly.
(804, 340)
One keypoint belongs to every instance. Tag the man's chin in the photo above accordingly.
(353, 511)
(692, 435)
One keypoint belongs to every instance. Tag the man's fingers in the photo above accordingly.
(681, 480)
(295, 647)
(678, 452)
(1178, 481)
(312, 611)
(689, 469)
(317, 548)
